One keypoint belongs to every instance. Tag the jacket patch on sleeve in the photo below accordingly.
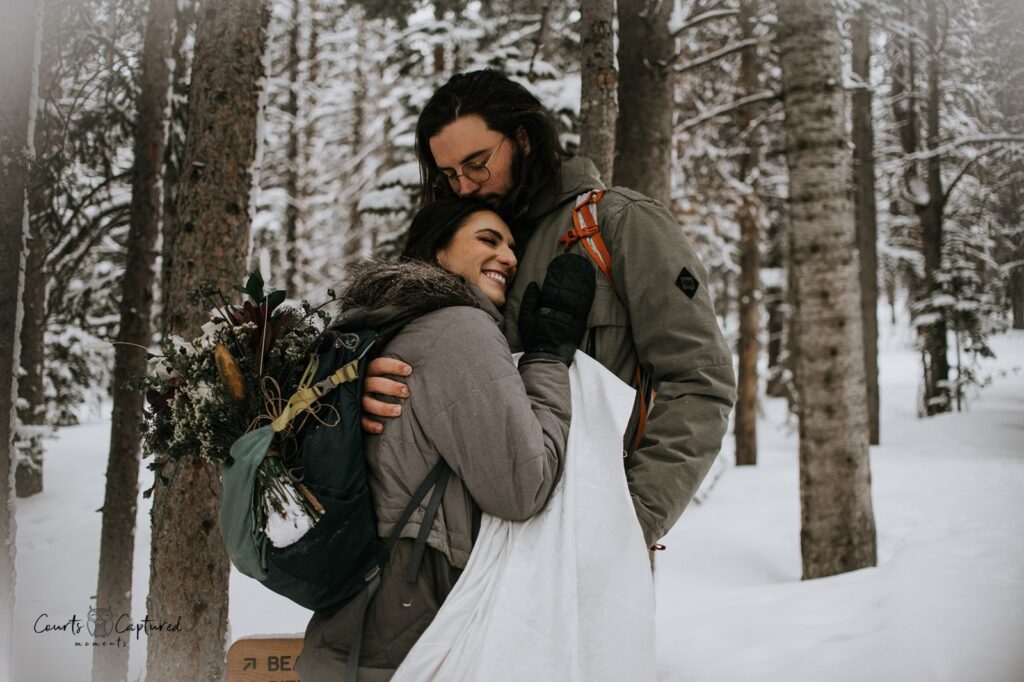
(687, 283)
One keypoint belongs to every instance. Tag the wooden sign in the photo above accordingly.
(264, 659)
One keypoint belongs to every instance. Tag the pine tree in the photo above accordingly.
(865, 209)
(749, 216)
(643, 137)
(188, 565)
(18, 35)
(117, 539)
(837, 522)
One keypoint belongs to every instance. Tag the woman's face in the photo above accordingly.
(481, 252)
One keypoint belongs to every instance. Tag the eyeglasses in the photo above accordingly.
(472, 170)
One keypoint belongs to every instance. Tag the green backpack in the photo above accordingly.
(341, 555)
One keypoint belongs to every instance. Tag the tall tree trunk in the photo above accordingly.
(438, 56)
(1017, 297)
(542, 48)
(837, 522)
(117, 538)
(184, 22)
(19, 31)
(598, 108)
(867, 229)
(643, 136)
(748, 217)
(189, 568)
(355, 237)
(47, 142)
(937, 393)
(31, 391)
(291, 183)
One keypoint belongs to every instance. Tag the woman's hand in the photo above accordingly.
(378, 385)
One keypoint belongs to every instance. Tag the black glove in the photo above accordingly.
(553, 320)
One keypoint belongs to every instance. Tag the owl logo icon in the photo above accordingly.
(100, 622)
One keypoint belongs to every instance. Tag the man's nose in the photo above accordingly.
(467, 187)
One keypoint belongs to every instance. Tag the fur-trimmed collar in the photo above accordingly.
(378, 290)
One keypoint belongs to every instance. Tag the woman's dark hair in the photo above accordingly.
(435, 225)
(506, 107)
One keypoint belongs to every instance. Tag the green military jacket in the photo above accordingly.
(660, 314)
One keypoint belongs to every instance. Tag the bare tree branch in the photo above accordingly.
(717, 54)
(703, 18)
(963, 170)
(964, 142)
(764, 96)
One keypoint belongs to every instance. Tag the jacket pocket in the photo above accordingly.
(607, 326)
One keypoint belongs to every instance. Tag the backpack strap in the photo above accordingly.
(436, 479)
(587, 231)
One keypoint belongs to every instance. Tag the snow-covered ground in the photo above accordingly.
(946, 602)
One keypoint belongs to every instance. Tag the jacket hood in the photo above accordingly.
(578, 175)
(379, 291)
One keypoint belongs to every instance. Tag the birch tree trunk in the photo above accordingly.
(19, 31)
(643, 135)
(867, 229)
(837, 522)
(598, 108)
(211, 241)
(748, 217)
(120, 502)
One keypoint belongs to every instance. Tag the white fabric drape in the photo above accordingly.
(568, 595)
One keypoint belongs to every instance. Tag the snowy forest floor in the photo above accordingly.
(946, 602)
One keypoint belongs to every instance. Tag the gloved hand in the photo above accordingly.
(553, 320)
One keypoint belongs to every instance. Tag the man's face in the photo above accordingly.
(467, 139)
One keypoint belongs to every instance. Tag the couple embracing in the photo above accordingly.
(490, 270)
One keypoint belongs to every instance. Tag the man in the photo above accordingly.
(483, 134)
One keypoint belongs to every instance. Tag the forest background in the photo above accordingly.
(822, 157)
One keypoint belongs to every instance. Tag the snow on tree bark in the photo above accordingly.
(865, 210)
(643, 135)
(210, 238)
(19, 33)
(837, 522)
(598, 108)
(117, 537)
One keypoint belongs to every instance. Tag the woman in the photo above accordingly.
(501, 428)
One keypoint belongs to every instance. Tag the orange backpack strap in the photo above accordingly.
(587, 231)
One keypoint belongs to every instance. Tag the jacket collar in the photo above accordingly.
(577, 175)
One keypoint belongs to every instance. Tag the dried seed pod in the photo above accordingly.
(229, 372)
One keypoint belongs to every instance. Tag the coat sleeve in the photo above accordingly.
(502, 429)
(677, 337)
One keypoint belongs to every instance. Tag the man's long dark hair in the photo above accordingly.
(506, 107)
